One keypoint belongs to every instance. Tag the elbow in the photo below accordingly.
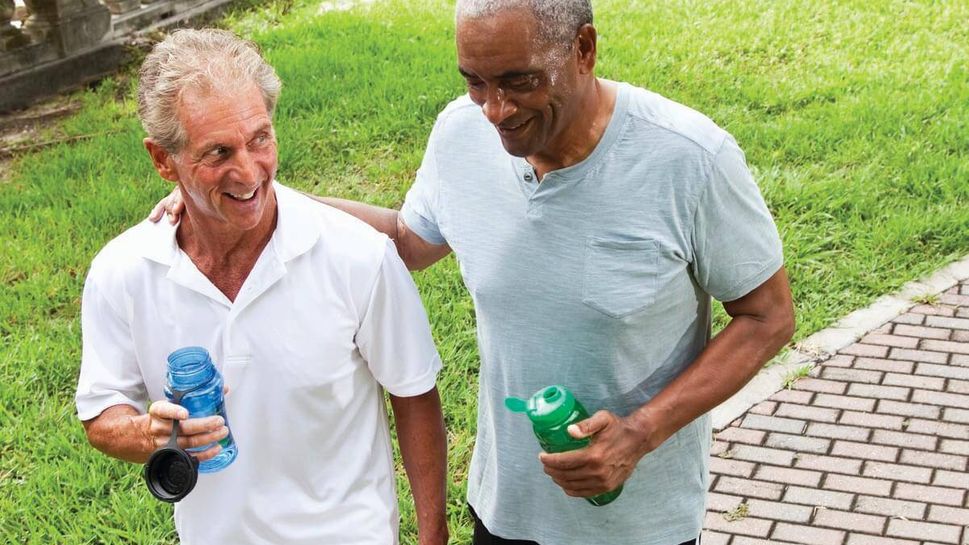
(785, 326)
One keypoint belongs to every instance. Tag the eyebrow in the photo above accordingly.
(505, 75)
(206, 146)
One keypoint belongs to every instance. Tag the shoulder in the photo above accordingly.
(459, 117)
(130, 254)
(681, 124)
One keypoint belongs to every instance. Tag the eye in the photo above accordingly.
(217, 152)
(522, 83)
(261, 139)
(474, 83)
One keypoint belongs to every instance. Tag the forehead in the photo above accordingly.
(214, 113)
(508, 40)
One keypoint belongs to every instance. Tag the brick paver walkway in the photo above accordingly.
(872, 450)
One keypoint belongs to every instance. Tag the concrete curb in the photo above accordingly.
(825, 343)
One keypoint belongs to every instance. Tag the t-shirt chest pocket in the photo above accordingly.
(619, 276)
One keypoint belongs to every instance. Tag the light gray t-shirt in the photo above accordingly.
(598, 279)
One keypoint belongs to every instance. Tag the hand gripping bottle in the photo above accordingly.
(192, 374)
(552, 410)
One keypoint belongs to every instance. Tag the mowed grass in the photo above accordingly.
(853, 116)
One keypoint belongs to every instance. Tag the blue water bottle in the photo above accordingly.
(192, 373)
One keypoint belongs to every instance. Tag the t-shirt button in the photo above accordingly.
(528, 177)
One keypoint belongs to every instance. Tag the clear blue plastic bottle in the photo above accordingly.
(191, 370)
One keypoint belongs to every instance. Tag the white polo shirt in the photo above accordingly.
(328, 316)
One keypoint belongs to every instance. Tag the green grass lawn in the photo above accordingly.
(853, 116)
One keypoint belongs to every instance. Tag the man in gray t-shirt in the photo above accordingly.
(592, 221)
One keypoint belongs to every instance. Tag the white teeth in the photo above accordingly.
(243, 196)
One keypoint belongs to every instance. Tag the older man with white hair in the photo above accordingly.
(310, 313)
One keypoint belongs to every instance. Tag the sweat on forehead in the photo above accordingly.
(558, 20)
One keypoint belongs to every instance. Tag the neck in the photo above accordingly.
(577, 141)
(225, 255)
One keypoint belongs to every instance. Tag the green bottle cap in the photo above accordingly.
(549, 406)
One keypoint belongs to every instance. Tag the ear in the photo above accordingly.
(162, 160)
(586, 48)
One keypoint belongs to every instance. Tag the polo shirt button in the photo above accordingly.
(528, 177)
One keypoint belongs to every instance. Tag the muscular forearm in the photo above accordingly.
(423, 446)
(121, 432)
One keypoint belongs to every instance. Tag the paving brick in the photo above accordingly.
(741, 435)
(763, 408)
(948, 515)
(903, 439)
(786, 475)
(722, 502)
(745, 540)
(845, 402)
(914, 381)
(924, 530)
(822, 386)
(951, 479)
(851, 375)
(931, 311)
(816, 445)
(960, 335)
(947, 322)
(962, 313)
(773, 423)
(818, 498)
(908, 318)
(718, 447)
(934, 459)
(898, 472)
(864, 451)
(749, 488)
(929, 494)
(917, 355)
(964, 289)
(853, 522)
(885, 421)
(862, 539)
(859, 485)
(941, 398)
(889, 340)
(888, 406)
(765, 455)
(793, 396)
(942, 370)
(807, 412)
(889, 507)
(879, 392)
(961, 360)
(944, 346)
(942, 429)
(834, 431)
(809, 535)
(748, 526)
(885, 365)
(715, 538)
(831, 464)
(939, 333)
(954, 299)
(774, 510)
(954, 446)
(839, 360)
(866, 350)
(956, 386)
(737, 468)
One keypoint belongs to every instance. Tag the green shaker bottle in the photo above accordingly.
(552, 410)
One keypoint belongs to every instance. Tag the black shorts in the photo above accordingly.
(483, 537)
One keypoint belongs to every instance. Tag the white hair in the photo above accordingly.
(558, 20)
(202, 59)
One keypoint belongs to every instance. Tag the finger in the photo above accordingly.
(172, 218)
(178, 204)
(167, 410)
(225, 390)
(591, 425)
(208, 453)
(157, 212)
(195, 426)
(202, 439)
(564, 461)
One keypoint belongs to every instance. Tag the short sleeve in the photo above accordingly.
(421, 207)
(736, 245)
(109, 369)
(394, 335)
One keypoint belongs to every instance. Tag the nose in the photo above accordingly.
(246, 166)
(497, 107)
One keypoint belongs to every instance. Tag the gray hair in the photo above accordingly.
(559, 20)
(202, 59)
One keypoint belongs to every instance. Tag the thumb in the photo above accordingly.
(590, 426)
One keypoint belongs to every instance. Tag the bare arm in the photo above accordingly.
(762, 322)
(122, 432)
(416, 253)
(423, 446)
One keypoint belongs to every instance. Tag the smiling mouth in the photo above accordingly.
(508, 129)
(242, 196)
